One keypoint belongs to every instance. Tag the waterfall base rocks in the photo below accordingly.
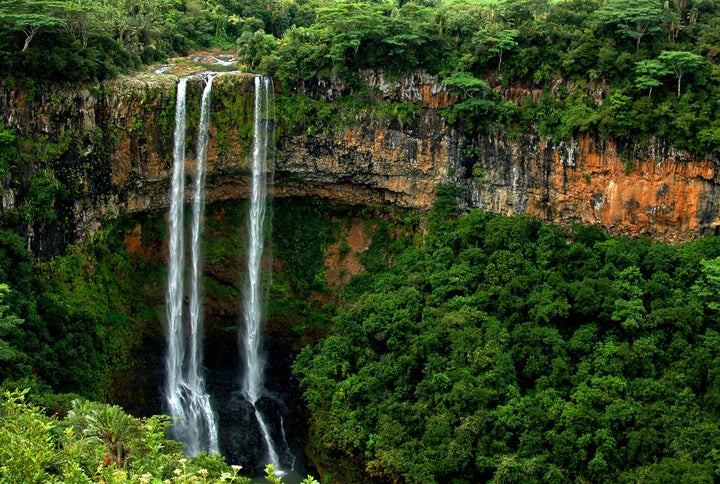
(240, 437)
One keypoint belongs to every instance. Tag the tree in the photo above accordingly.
(82, 19)
(479, 98)
(629, 309)
(110, 425)
(503, 40)
(633, 19)
(81, 447)
(617, 116)
(680, 62)
(707, 287)
(470, 85)
(649, 71)
(29, 16)
(349, 25)
(253, 48)
(26, 445)
(8, 322)
(461, 19)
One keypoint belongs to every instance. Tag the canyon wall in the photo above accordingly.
(655, 191)
(110, 147)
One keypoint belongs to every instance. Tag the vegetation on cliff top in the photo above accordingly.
(626, 69)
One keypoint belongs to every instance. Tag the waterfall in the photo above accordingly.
(187, 400)
(262, 161)
(174, 297)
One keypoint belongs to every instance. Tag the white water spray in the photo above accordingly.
(187, 400)
(287, 446)
(174, 298)
(262, 162)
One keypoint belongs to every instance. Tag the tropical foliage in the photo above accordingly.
(630, 70)
(95, 442)
(71, 323)
(655, 61)
(502, 350)
(92, 443)
(492, 349)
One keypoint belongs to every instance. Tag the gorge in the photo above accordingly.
(110, 146)
(372, 242)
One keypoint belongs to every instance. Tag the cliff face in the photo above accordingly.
(659, 191)
(110, 146)
(662, 193)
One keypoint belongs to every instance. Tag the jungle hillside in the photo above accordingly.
(468, 346)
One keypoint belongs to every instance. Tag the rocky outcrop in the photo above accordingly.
(656, 191)
(110, 146)
(372, 163)
(662, 193)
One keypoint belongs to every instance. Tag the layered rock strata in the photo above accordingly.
(110, 146)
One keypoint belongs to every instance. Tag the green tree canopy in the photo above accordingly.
(9, 322)
(29, 16)
(649, 72)
(500, 349)
(680, 62)
(503, 41)
(633, 19)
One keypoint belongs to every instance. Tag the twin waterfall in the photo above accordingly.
(188, 402)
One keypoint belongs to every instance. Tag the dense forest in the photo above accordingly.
(503, 350)
(473, 347)
(630, 70)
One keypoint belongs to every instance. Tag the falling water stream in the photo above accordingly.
(174, 298)
(187, 400)
(262, 160)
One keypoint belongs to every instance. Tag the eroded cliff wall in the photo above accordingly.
(655, 190)
(110, 146)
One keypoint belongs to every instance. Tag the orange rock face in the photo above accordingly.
(668, 198)
(663, 193)
(662, 198)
